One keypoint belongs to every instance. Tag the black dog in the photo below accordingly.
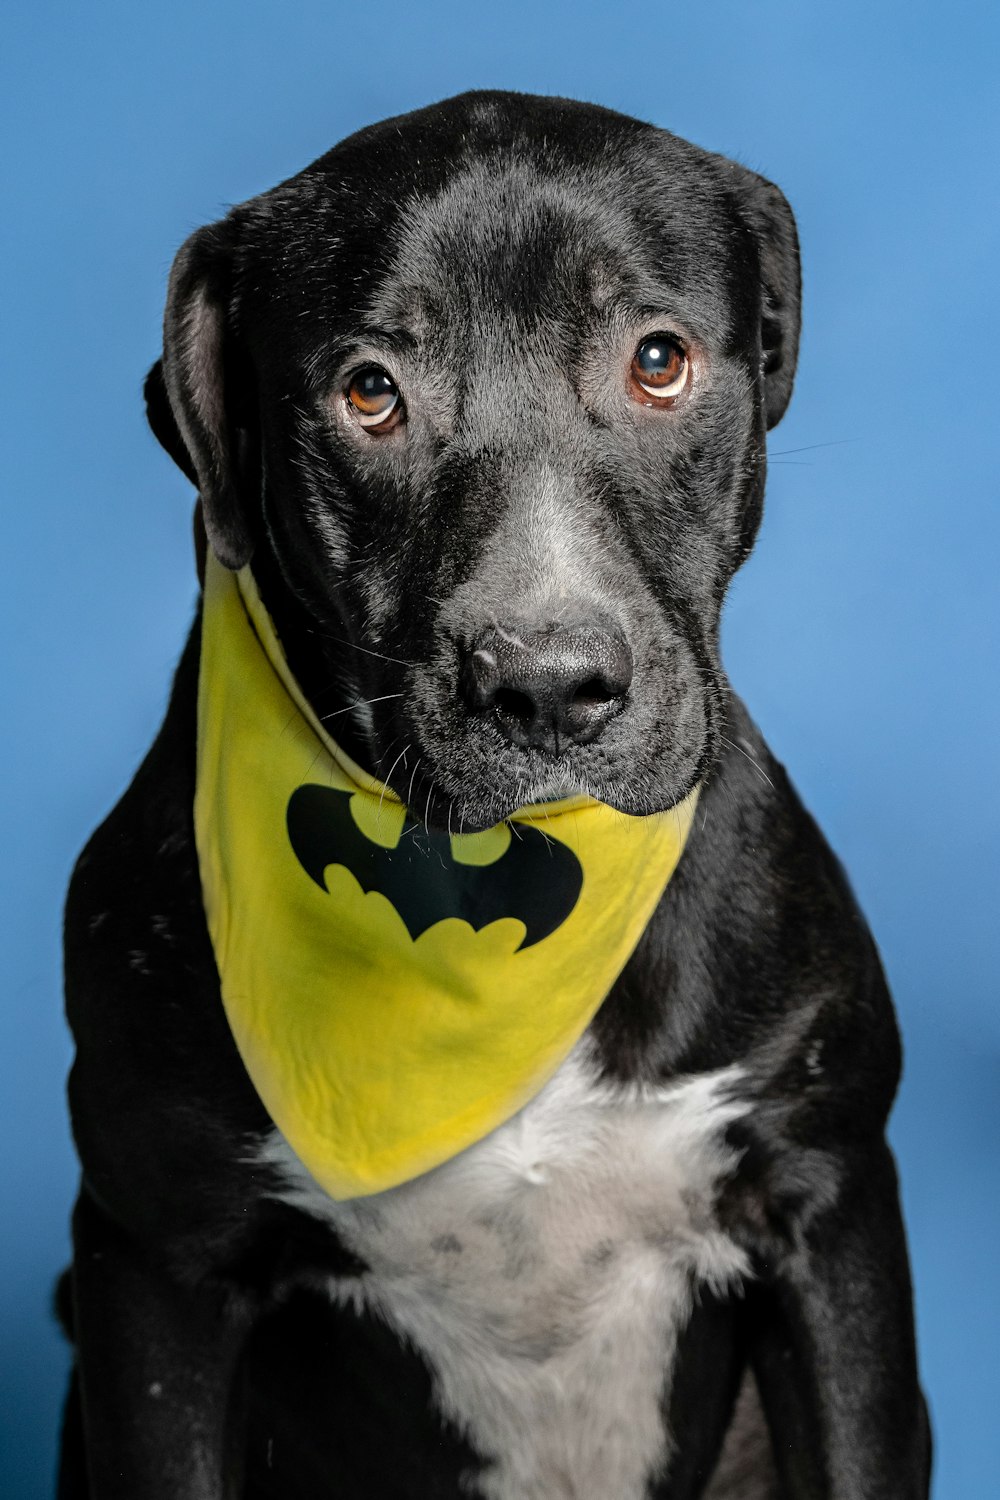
(482, 396)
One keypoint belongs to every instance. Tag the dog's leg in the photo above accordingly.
(834, 1353)
(745, 1469)
(72, 1481)
(156, 1364)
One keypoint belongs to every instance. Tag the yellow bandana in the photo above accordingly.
(395, 995)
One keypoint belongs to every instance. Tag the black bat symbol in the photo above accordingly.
(537, 880)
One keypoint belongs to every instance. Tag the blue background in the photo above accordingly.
(863, 632)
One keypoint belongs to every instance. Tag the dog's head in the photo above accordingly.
(482, 394)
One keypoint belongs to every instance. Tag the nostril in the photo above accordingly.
(595, 692)
(511, 704)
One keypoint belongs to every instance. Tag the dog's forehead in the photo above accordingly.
(482, 210)
(505, 239)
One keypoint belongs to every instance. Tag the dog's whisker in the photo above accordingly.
(747, 756)
(385, 779)
(811, 447)
(361, 702)
(341, 640)
(409, 790)
(719, 780)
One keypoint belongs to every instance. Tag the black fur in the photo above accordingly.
(502, 256)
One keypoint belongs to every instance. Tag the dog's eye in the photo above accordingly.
(374, 397)
(660, 370)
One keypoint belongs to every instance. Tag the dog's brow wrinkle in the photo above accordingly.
(394, 338)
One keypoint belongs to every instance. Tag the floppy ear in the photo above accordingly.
(160, 416)
(773, 225)
(189, 406)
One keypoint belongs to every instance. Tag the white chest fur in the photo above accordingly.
(546, 1273)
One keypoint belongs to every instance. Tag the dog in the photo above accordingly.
(479, 400)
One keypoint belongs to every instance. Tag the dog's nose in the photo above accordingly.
(548, 688)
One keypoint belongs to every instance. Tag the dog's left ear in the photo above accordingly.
(160, 416)
(766, 211)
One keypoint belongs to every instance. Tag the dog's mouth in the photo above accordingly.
(460, 766)
(477, 784)
(446, 797)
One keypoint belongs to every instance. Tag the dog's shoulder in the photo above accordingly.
(157, 1091)
(758, 949)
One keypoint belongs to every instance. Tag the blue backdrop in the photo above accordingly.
(862, 632)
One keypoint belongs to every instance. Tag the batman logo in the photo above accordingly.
(537, 879)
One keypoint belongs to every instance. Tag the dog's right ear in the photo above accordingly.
(190, 409)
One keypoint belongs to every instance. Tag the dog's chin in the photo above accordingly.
(464, 786)
(449, 806)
